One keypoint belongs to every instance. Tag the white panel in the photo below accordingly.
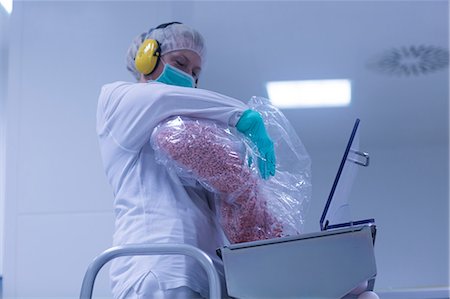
(55, 251)
(4, 44)
(11, 185)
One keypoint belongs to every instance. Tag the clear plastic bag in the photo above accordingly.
(291, 187)
(220, 159)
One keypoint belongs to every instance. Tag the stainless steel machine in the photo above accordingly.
(328, 264)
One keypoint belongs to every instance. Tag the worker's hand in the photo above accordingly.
(251, 125)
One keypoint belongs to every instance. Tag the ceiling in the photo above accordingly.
(252, 42)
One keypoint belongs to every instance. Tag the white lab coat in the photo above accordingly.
(151, 205)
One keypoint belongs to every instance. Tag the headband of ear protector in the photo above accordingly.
(149, 52)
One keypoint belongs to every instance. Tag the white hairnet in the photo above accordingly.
(171, 38)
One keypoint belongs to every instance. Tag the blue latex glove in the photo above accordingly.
(251, 125)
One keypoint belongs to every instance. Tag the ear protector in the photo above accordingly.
(149, 53)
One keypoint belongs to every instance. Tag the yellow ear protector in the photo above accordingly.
(149, 53)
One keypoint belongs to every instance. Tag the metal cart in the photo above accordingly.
(150, 249)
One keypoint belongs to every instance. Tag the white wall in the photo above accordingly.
(59, 207)
(4, 19)
(406, 191)
(58, 204)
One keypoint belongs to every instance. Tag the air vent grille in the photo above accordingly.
(411, 60)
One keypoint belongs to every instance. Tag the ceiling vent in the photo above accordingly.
(411, 61)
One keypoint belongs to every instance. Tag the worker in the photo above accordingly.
(151, 204)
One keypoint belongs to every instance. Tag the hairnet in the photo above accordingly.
(171, 38)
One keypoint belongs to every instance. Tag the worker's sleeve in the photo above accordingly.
(132, 111)
(207, 153)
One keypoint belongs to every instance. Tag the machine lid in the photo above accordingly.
(337, 209)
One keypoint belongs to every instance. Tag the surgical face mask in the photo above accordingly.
(173, 76)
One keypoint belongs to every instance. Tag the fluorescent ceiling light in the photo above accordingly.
(309, 93)
(7, 5)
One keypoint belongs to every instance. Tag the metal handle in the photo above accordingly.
(361, 154)
(151, 249)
